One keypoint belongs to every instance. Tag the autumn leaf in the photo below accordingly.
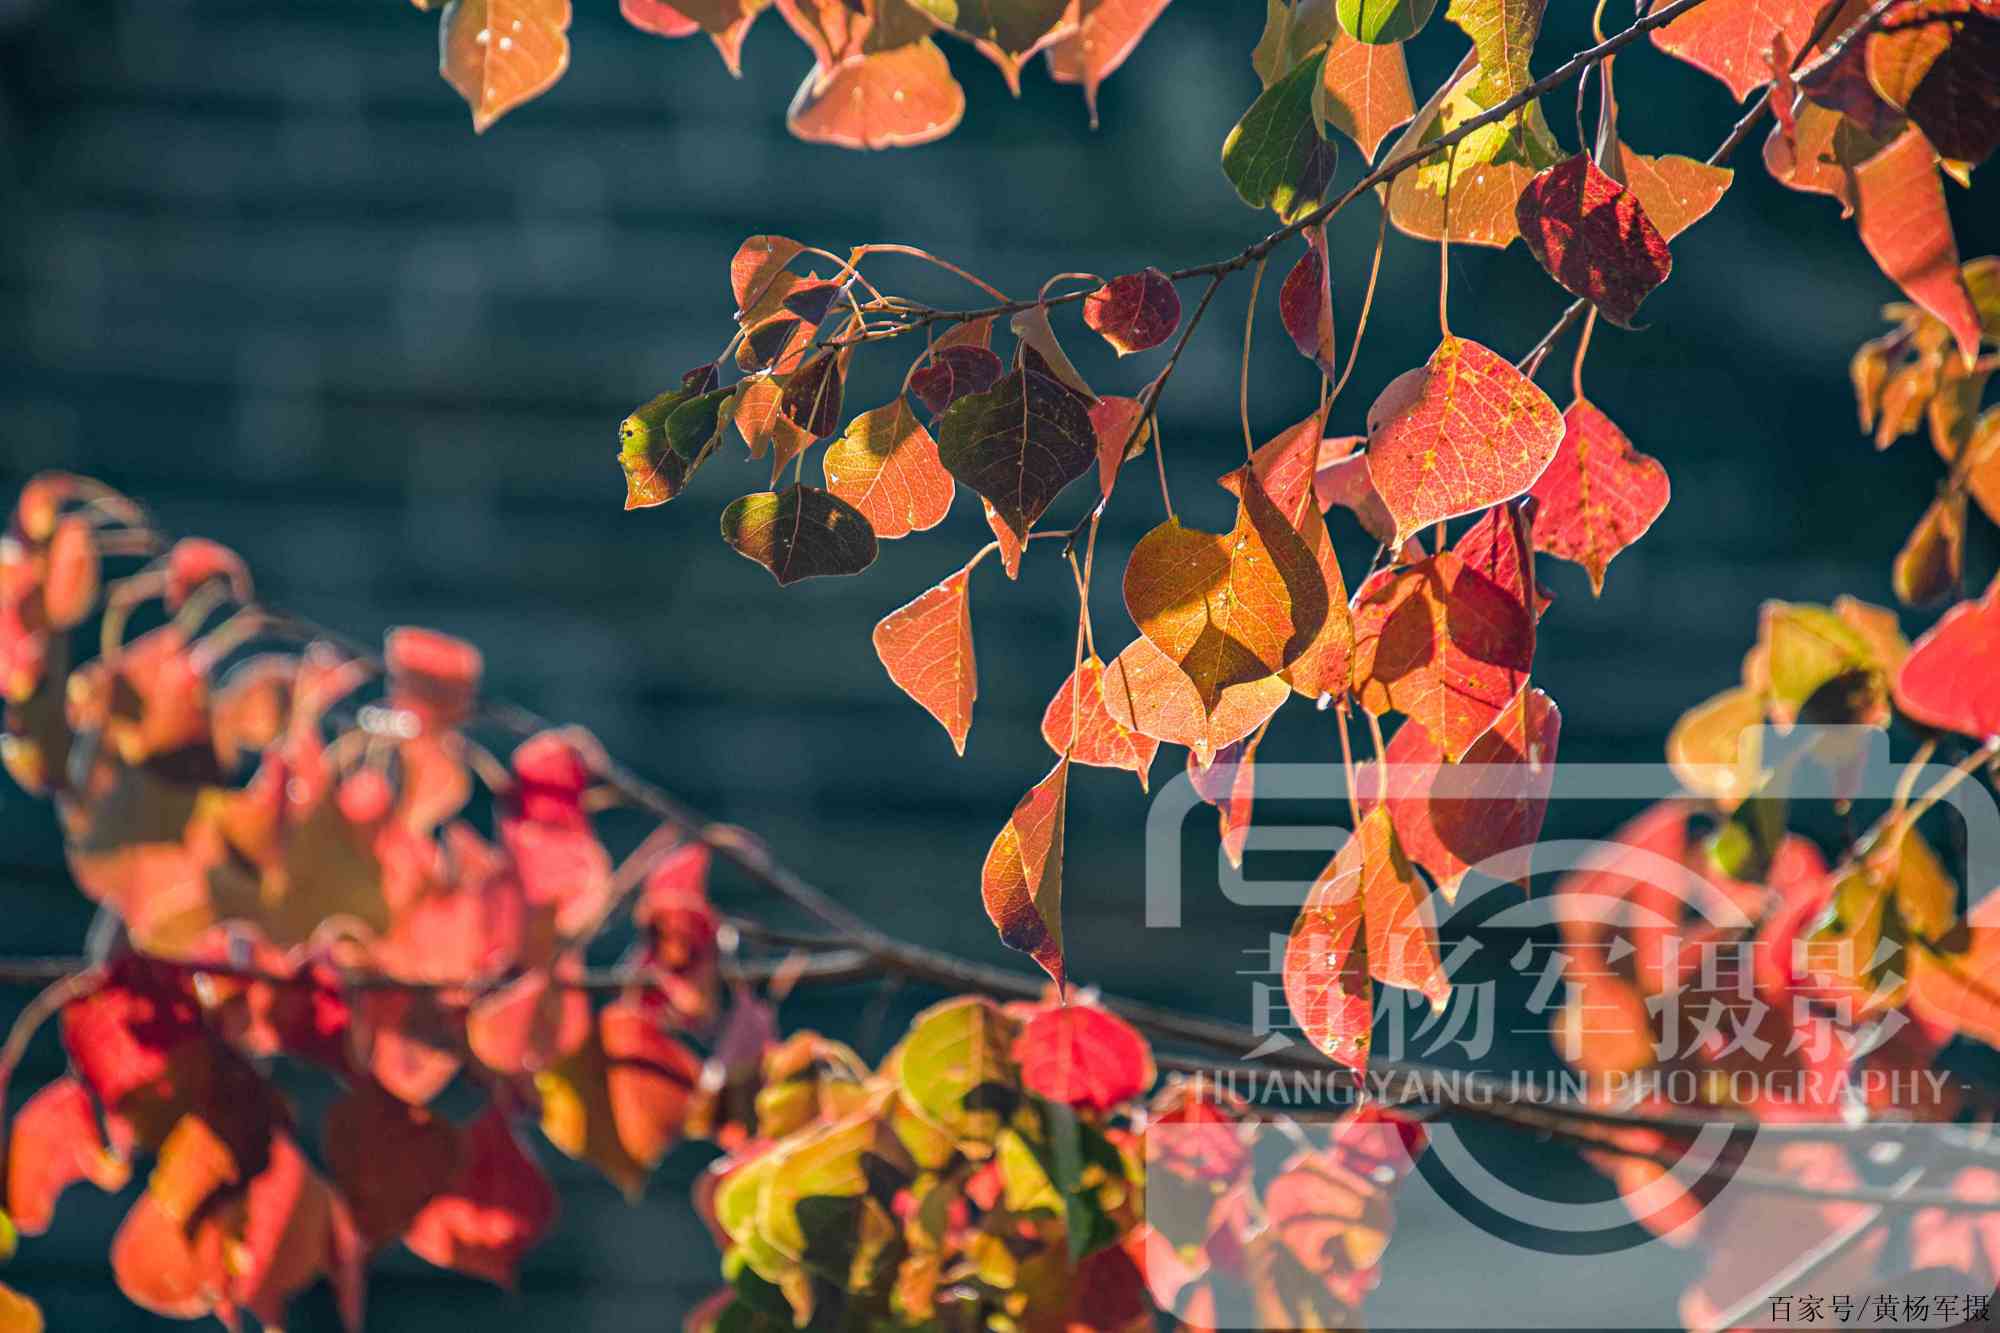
(1900, 211)
(894, 98)
(1675, 191)
(1107, 33)
(1940, 73)
(618, 1102)
(926, 647)
(1503, 35)
(1135, 312)
(1946, 682)
(1733, 39)
(1081, 1055)
(1818, 153)
(1120, 438)
(1228, 608)
(501, 53)
(1443, 644)
(1365, 90)
(1484, 172)
(1464, 432)
(1928, 567)
(950, 373)
(1229, 783)
(1006, 32)
(497, 1206)
(664, 443)
(1275, 156)
(1453, 817)
(1305, 303)
(18, 1314)
(1018, 444)
(1021, 882)
(957, 1055)
(801, 532)
(886, 465)
(1099, 740)
(657, 17)
(1599, 494)
(1145, 691)
(56, 1142)
(367, 1127)
(1384, 21)
(811, 400)
(1591, 235)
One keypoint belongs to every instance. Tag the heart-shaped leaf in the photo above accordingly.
(926, 647)
(1100, 741)
(801, 532)
(1948, 680)
(1598, 496)
(886, 465)
(501, 53)
(1591, 235)
(1135, 312)
(1018, 444)
(1275, 156)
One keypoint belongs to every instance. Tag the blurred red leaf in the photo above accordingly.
(1085, 1056)
(497, 1206)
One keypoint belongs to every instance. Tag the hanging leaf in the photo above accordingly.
(56, 1142)
(1365, 90)
(1230, 785)
(1135, 312)
(1021, 881)
(497, 1207)
(1900, 211)
(1818, 153)
(811, 400)
(801, 532)
(1484, 172)
(1018, 444)
(1115, 421)
(1011, 544)
(1591, 235)
(1503, 35)
(1928, 567)
(896, 98)
(1452, 817)
(1499, 548)
(1228, 608)
(1146, 692)
(950, 373)
(1675, 191)
(367, 1127)
(955, 1066)
(927, 648)
(1442, 644)
(501, 53)
(1464, 432)
(1100, 741)
(886, 465)
(1106, 35)
(1305, 304)
(1084, 1056)
(1941, 74)
(1383, 21)
(1733, 39)
(657, 17)
(1947, 681)
(1006, 32)
(1598, 496)
(1713, 748)
(663, 444)
(1275, 156)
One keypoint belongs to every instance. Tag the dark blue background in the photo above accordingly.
(256, 269)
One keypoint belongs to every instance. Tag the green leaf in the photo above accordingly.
(1383, 21)
(1014, 26)
(1276, 156)
(801, 532)
(695, 425)
(1503, 33)
(654, 472)
(955, 1068)
(1018, 444)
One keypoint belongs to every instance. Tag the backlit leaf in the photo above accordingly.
(811, 400)
(1815, 660)
(18, 1314)
(1941, 74)
(1503, 35)
(1081, 1055)
(1818, 153)
(1466, 432)
(368, 1127)
(1598, 496)
(1733, 39)
(1305, 303)
(954, 1061)
(1592, 236)
(926, 647)
(1021, 882)
(1928, 567)
(1451, 817)
(501, 53)
(1485, 171)
(1106, 34)
(1365, 90)
(1230, 785)
(950, 373)
(1327, 988)
(496, 1208)
(1100, 741)
(1675, 191)
(1146, 692)
(1006, 32)
(1442, 644)
(886, 465)
(1018, 444)
(658, 461)
(895, 98)
(656, 16)
(801, 532)
(726, 22)
(1116, 420)
(1947, 681)
(1228, 608)
(1275, 156)
(756, 275)
(1383, 21)
(1713, 748)
(1135, 312)
(1900, 211)
(56, 1142)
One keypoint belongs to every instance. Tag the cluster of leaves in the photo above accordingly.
(879, 79)
(292, 873)
(1003, 1169)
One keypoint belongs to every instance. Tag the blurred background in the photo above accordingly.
(256, 269)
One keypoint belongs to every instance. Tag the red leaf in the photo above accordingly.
(432, 675)
(527, 1025)
(1900, 211)
(294, 1232)
(388, 1159)
(1230, 784)
(1367, 88)
(1085, 1056)
(1100, 43)
(196, 560)
(56, 1142)
(1135, 312)
(658, 17)
(561, 864)
(950, 373)
(1114, 420)
(1326, 980)
(1021, 881)
(649, 1078)
(1948, 680)
(812, 396)
(886, 465)
(1465, 431)
(1599, 495)
(1733, 39)
(1593, 237)
(1450, 817)
(1100, 741)
(926, 647)
(1305, 303)
(498, 1206)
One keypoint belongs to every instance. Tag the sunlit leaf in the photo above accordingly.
(1592, 236)
(1229, 784)
(501, 53)
(1100, 741)
(1465, 432)
(801, 532)
(1733, 39)
(1021, 882)
(1305, 303)
(1275, 156)
(1675, 191)
(496, 1208)
(886, 465)
(1503, 35)
(1947, 681)
(1018, 444)
(1365, 90)
(1599, 494)
(1713, 749)
(1134, 312)
(1820, 667)
(1006, 32)
(1107, 33)
(926, 647)
(895, 98)
(950, 373)
(658, 17)
(1120, 438)
(18, 1314)
(1941, 74)
(1900, 211)
(1147, 692)
(1382, 21)
(56, 1142)
(1081, 1055)
(1484, 172)
(955, 1064)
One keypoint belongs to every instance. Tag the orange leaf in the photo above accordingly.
(1101, 741)
(880, 99)
(926, 646)
(1114, 420)
(55, 1143)
(1366, 89)
(1228, 608)
(1108, 32)
(1327, 989)
(650, 1078)
(18, 1314)
(1145, 692)
(1675, 191)
(501, 53)
(1021, 881)
(1230, 785)
(1599, 494)
(886, 465)
(1465, 431)
(1733, 39)
(1900, 211)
